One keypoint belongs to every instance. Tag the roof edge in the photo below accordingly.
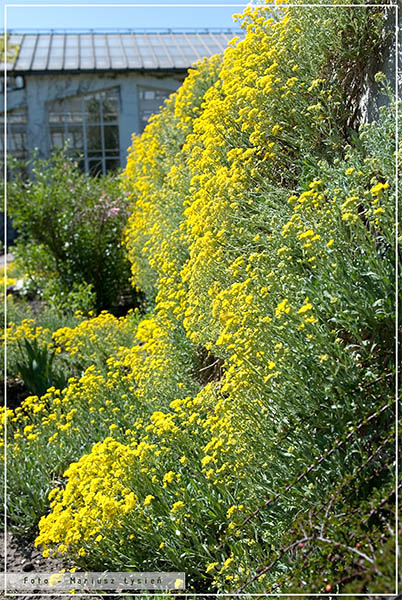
(120, 30)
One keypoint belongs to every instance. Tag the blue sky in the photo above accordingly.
(134, 13)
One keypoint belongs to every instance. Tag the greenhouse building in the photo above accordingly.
(92, 89)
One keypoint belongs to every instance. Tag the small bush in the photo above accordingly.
(70, 228)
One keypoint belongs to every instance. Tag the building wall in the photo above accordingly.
(39, 90)
(389, 63)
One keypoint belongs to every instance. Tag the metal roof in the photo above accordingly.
(103, 50)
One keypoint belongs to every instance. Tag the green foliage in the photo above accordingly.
(36, 368)
(70, 232)
(70, 424)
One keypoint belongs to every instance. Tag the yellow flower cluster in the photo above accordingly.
(96, 338)
(28, 330)
(9, 270)
(100, 481)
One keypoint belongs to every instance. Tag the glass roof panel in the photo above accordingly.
(129, 48)
(29, 40)
(25, 53)
(181, 63)
(86, 52)
(115, 51)
(70, 63)
(168, 41)
(56, 62)
(102, 63)
(23, 63)
(118, 50)
(134, 62)
(151, 64)
(43, 41)
(87, 63)
(15, 38)
(118, 63)
(113, 41)
(154, 40)
(71, 41)
(39, 65)
(58, 41)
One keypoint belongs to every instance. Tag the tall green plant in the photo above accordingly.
(36, 368)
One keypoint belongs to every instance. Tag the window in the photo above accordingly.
(16, 133)
(150, 102)
(16, 138)
(88, 125)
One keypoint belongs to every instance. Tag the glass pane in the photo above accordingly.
(71, 41)
(94, 139)
(112, 164)
(118, 63)
(113, 40)
(112, 153)
(15, 38)
(87, 63)
(168, 41)
(29, 40)
(162, 95)
(17, 142)
(55, 63)
(56, 112)
(187, 51)
(43, 41)
(73, 110)
(23, 64)
(92, 109)
(95, 166)
(58, 41)
(17, 116)
(75, 138)
(115, 51)
(57, 139)
(111, 133)
(39, 64)
(81, 165)
(145, 114)
(146, 52)
(86, 52)
(41, 52)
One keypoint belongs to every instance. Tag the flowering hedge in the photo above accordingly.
(253, 436)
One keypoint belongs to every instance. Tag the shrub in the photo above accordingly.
(70, 228)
